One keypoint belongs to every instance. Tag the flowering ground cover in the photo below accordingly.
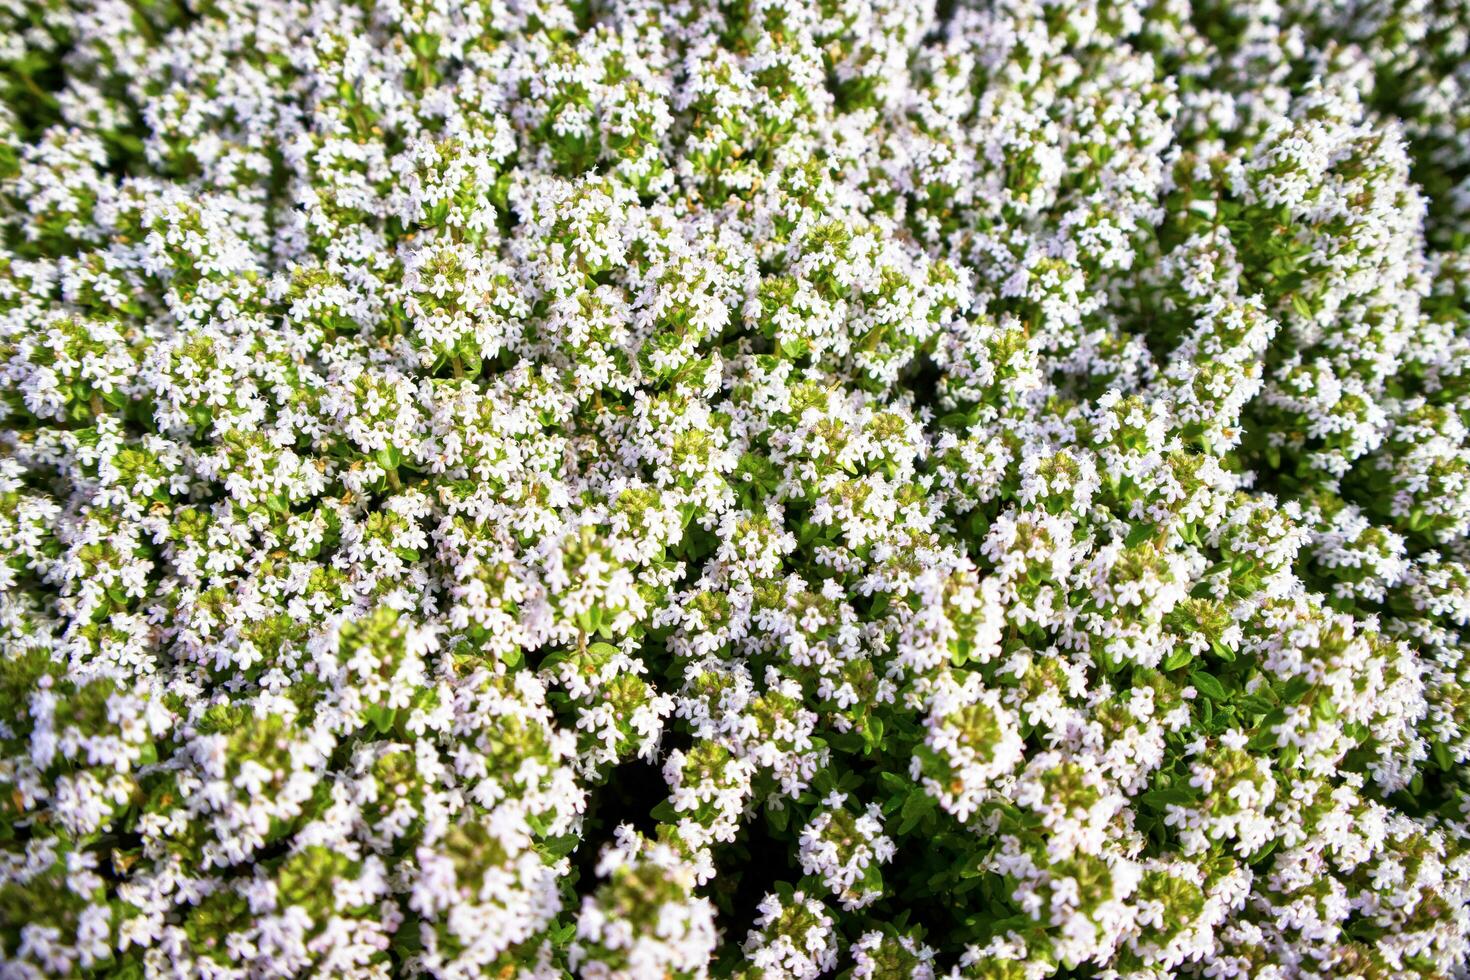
(761, 489)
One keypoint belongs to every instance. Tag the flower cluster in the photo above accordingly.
(761, 489)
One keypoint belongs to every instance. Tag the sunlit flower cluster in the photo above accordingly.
(734, 488)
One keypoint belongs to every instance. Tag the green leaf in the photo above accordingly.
(561, 846)
(1302, 307)
(1442, 757)
(1177, 659)
(916, 807)
(381, 718)
(872, 735)
(1294, 690)
(1264, 852)
(1159, 798)
(1265, 738)
(1209, 685)
(388, 458)
(893, 782)
(1255, 704)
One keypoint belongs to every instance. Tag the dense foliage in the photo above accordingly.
(762, 488)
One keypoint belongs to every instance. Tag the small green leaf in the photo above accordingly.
(1160, 798)
(1302, 307)
(1209, 685)
(1442, 757)
(1177, 659)
(1264, 852)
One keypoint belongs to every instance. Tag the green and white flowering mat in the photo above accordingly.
(762, 489)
